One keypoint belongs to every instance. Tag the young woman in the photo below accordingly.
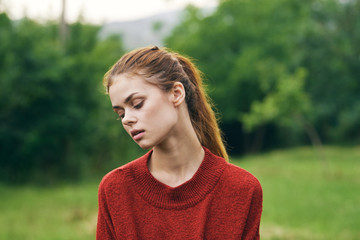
(183, 188)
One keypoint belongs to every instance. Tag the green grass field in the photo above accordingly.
(304, 198)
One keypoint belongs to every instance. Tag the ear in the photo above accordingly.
(178, 94)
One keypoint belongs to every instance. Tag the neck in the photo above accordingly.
(177, 166)
(178, 158)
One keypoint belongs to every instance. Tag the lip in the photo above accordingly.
(137, 134)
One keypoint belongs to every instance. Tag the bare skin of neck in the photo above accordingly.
(175, 160)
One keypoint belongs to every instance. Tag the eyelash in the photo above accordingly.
(120, 117)
(137, 106)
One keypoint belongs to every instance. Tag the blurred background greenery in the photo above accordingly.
(284, 76)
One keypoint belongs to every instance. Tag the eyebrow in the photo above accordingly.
(127, 100)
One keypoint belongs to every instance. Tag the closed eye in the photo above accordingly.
(139, 105)
(121, 115)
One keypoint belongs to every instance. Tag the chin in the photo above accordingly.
(149, 144)
(145, 146)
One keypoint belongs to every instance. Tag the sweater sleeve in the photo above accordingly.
(105, 228)
(252, 226)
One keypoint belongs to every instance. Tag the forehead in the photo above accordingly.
(126, 84)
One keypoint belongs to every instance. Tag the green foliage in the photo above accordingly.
(332, 60)
(283, 104)
(55, 118)
(254, 52)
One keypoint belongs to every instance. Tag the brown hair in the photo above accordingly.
(164, 68)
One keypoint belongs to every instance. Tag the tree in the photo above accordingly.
(234, 47)
(330, 55)
(241, 48)
(55, 117)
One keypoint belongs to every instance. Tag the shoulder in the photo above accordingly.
(239, 179)
(113, 178)
(119, 176)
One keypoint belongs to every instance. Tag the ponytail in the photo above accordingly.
(164, 68)
(202, 115)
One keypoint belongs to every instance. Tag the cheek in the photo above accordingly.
(161, 116)
(167, 119)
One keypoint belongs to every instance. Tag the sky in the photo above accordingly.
(95, 11)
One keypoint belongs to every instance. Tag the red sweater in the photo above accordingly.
(221, 201)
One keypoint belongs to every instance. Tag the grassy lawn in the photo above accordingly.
(304, 198)
(31, 213)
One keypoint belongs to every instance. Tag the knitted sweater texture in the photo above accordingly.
(221, 201)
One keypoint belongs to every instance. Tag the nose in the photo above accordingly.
(128, 119)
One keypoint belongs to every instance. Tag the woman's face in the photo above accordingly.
(146, 112)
